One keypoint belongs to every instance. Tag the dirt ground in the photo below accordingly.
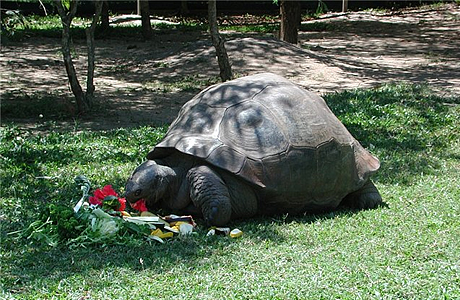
(146, 83)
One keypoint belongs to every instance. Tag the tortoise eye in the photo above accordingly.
(137, 192)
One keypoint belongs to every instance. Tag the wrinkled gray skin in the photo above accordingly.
(255, 145)
(183, 185)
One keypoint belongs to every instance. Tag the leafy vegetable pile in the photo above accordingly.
(101, 219)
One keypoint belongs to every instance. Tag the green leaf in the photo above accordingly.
(137, 228)
(111, 202)
(66, 4)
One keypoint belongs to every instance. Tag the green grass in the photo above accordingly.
(410, 129)
(247, 28)
(191, 83)
(45, 104)
(18, 27)
(317, 26)
(408, 250)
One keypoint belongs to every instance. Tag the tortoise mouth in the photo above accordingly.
(139, 205)
(146, 204)
(131, 198)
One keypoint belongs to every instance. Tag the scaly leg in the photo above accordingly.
(209, 193)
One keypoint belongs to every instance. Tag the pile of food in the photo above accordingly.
(104, 219)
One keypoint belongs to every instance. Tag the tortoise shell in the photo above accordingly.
(273, 134)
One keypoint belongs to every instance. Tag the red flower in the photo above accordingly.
(95, 201)
(99, 195)
(122, 204)
(107, 193)
(139, 205)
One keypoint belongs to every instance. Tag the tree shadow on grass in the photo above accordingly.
(26, 266)
(407, 126)
(41, 105)
(132, 75)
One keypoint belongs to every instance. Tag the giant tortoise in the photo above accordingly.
(255, 145)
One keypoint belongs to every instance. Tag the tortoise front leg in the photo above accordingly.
(209, 192)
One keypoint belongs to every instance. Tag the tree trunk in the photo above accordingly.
(218, 42)
(344, 5)
(66, 18)
(90, 50)
(145, 17)
(290, 20)
(184, 8)
(84, 100)
(105, 22)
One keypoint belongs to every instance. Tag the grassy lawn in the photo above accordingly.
(407, 250)
(17, 27)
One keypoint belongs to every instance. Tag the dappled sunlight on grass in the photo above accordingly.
(408, 127)
(408, 249)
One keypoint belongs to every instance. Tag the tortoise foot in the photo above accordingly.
(367, 197)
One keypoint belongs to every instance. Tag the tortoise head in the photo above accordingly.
(149, 181)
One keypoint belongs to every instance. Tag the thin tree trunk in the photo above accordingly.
(84, 100)
(219, 44)
(184, 8)
(105, 22)
(66, 18)
(145, 17)
(91, 56)
(344, 5)
(290, 20)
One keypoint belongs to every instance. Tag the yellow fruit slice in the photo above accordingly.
(236, 233)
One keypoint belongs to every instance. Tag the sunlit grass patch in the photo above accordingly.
(191, 83)
(407, 250)
(408, 127)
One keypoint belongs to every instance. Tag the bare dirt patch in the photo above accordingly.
(146, 83)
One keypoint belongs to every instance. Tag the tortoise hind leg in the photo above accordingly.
(365, 198)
